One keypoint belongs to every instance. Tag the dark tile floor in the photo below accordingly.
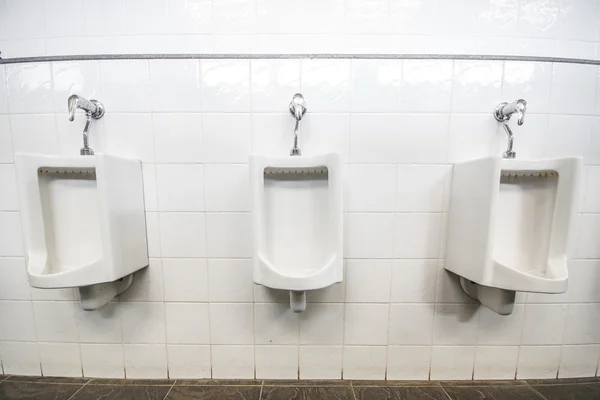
(48, 388)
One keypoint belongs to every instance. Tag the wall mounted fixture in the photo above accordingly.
(93, 109)
(502, 113)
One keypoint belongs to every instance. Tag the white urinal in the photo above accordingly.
(83, 223)
(509, 226)
(297, 220)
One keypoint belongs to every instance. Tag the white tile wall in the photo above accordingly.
(39, 27)
(195, 311)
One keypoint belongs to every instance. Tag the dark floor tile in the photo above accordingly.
(512, 382)
(214, 393)
(400, 393)
(46, 379)
(296, 382)
(395, 383)
(121, 392)
(132, 382)
(492, 393)
(218, 382)
(563, 381)
(10, 390)
(579, 391)
(307, 393)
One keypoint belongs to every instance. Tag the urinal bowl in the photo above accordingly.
(509, 227)
(297, 222)
(83, 223)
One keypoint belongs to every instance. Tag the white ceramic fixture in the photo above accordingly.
(509, 226)
(83, 223)
(297, 220)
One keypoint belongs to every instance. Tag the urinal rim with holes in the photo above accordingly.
(267, 274)
(119, 190)
(474, 197)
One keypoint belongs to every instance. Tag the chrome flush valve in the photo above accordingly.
(297, 109)
(502, 113)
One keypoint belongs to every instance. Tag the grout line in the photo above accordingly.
(352, 389)
(446, 393)
(169, 391)
(538, 393)
(5, 378)
(262, 385)
(79, 390)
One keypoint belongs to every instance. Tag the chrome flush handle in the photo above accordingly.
(502, 113)
(297, 109)
(93, 109)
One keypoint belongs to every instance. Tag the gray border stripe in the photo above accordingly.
(300, 56)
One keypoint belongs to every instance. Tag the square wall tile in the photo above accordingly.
(34, 133)
(17, 321)
(578, 142)
(231, 324)
(366, 324)
(495, 362)
(530, 81)
(322, 324)
(276, 362)
(543, 324)
(421, 188)
(320, 362)
(505, 330)
(582, 324)
(225, 85)
(480, 140)
(455, 324)
(376, 85)
(126, 85)
(413, 281)
(149, 182)
(177, 137)
(20, 358)
(147, 284)
(188, 362)
(369, 235)
(323, 133)
(538, 362)
(75, 77)
(375, 138)
(143, 322)
(411, 324)
(573, 89)
(424, 138)
(14, 281)
(331, 294)
(230, 281)
(6, 147)
(128, 135)
(227, 187)
(578, 361)
(476, 86)
(103, 361)
(232, 362)
(416, 369)
(55, 321)
(185, 279)
(3, 92)
(226, 138)
(60, 359)
(187, 323)
(182, 234)
(101, 326)
(145, 361)
(229, 235)
(368, 281)
(584, 279)
(426, 86)
(175, 85)
(180, 187)
(364, 362)
(275, 323)
(591, 198)
(273, 84)
(327, 84)
(588, 245)
(452, 362)
(29, 88)
(153, 234)
(370, 188)
(417, 235)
